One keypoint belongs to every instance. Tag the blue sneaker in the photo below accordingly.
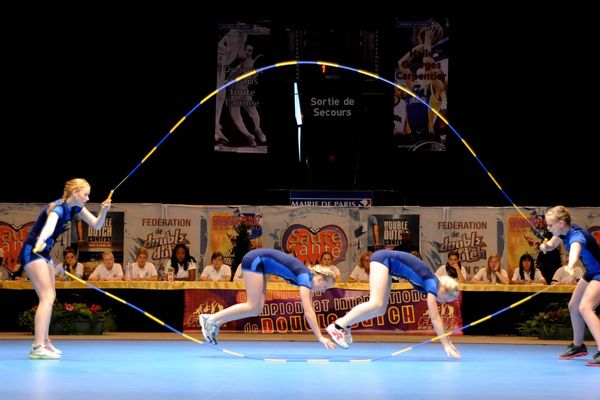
(574, 351)
(594, 362)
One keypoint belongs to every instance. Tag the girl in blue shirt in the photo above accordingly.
(586, 297)
(255, 265)
(53, 220)
(384, 265)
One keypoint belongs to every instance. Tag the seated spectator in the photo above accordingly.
(142, 270)
(70, 265)
(5, 274)
(548, 262)
(561, 277)
(183, 264)
(239, 274)
(217, 271)
(21, 274)
(452, 268)
(107, 270)
(360, 273)
(493, 273)
(327, 261)
(527, 274)
(416, 253)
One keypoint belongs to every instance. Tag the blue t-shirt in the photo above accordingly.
(406, 266)
(590, 251)
(275, 262)
(65, 215)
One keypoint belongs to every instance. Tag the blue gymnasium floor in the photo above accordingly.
(130, 369)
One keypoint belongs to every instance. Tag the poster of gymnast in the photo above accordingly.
(422, 67)
(239, 126)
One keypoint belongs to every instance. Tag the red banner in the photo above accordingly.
(406, 312)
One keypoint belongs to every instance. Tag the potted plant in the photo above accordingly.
(552, 323)
(72, 319)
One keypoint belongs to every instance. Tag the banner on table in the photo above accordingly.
(406, 312)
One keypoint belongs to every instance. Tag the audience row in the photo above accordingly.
(183, 267)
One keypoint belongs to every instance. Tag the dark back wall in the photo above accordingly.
(90, 96)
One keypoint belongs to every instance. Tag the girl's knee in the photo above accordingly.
(584, 308)
(573, 306)
(379, 306)
(48, 297)
(381, 310)
(256, 309)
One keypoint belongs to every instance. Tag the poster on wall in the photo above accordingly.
(475, 234)
(13, 236)
(224, 231)
(309, 232)
(522, 237)
(393, 230)
(308, 243)
(421, 67)
(159, 228)
(89, 243)
(241, 114)
(16, 220)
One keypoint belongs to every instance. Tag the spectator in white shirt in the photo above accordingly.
(453, 269)
(527, 274)
(561, 277)
(327, 261)
(493, 273)
(217, 271)
(107, 270)
(183, 264)
(70, 265)
(360, 273)
(142, 270)
(239, 274)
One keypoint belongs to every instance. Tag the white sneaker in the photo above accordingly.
(210, 330)
(50, 346)
(42, 353)
(348, 336)
(338, 336)
(213, 329)
(203, 320)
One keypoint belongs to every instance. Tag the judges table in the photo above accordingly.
(178, 304)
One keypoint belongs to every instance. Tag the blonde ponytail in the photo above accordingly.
(451, 286)
(70, 187)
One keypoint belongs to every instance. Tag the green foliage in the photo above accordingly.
(553, 323)
(546, 323)
(68, 315)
